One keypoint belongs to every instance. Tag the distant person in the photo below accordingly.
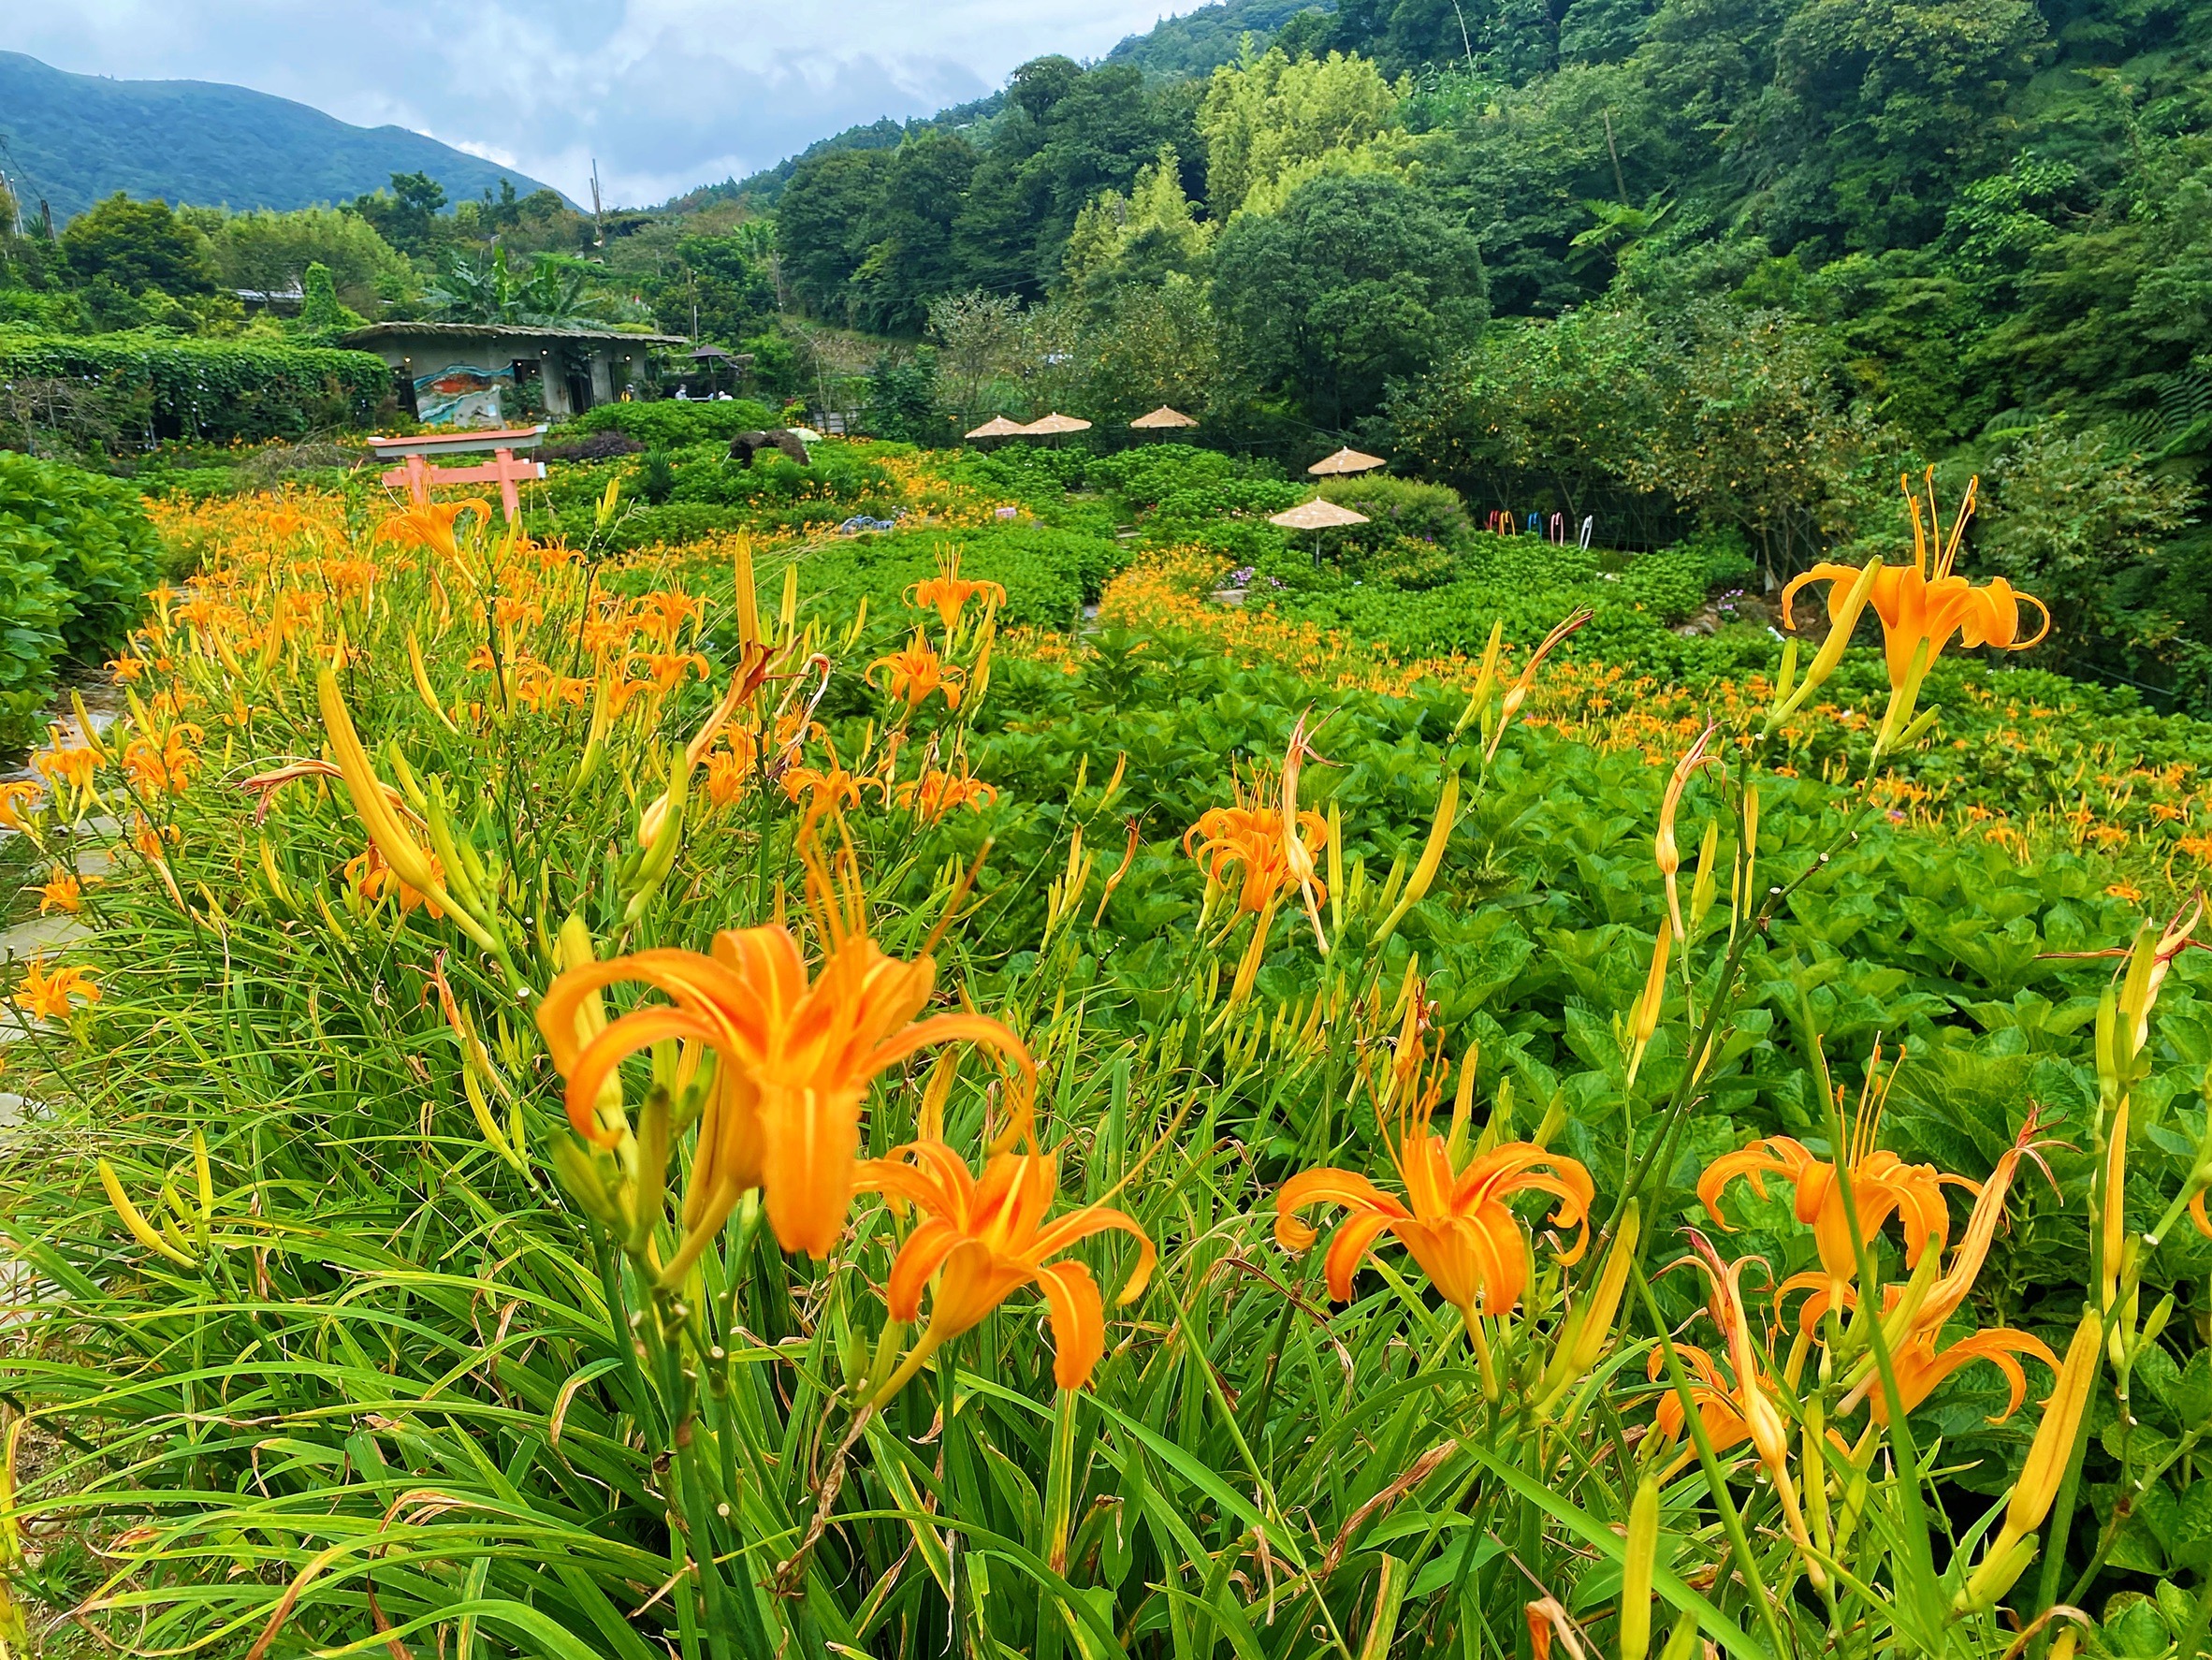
(683, 394)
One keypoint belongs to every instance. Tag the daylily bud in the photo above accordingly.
(603, 717)
(422, 683)
(2113, 1199)
(1486, 680)
(1902, 698)
(1708, 876)
(1447, 807)
(666, 838)
(1590, 1325)
(2159, 1317)
(853, 1360)
(1996, 1574)
(1643, 1020)
(1921, 722)
(2040, 1477)
(2108, 1063)
(132, 1218)
(2138, 989)
(647, 1198)
(1635, 1570)
(1787, 678)
(1845, 619)
(579, 1171)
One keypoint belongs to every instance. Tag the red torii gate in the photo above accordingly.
(416, 474)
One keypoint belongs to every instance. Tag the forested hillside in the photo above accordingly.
(1744, 258)
(75, 139)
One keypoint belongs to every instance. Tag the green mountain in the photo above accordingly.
(74, 139)
(1197, 41)
(1189, 45)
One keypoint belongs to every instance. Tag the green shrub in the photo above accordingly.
(1145, 477)
(671, 423)
(1027, 470)
(1398, 508)
(32, 608)
(679, 495)
(98, 547)
(219, 389)
(1413, 565)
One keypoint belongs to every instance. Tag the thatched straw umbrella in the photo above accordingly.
(998, 427)
(1162, 419)
(1316, 516)
(1345, 461)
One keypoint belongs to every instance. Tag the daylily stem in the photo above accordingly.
(1716, 1481)
(908, 1369)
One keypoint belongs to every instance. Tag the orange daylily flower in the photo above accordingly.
(12, 799)
(730, 771)
(948, 591)
(1882, 1184)
(794, 1055)
(431, 525)
(1250, 834)
(1453, 1220)
(44, 995)
(123, 670)
(369, 876)
(664, 612)
(936, 793)
(74, 768)
(915, 673)
(985, 1240)
(1919, 1364)
(828, 789)
(1739, 1408)
(666, 669)
(63, 891)
(167, 766)
(1926, 601)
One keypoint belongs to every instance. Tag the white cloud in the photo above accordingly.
(665, 94)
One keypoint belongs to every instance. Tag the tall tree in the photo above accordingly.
(139, 246)
(1356, 281)
(822, 223)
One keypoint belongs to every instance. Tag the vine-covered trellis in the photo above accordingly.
(210, 389)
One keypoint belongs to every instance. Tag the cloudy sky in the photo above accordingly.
(667, 93)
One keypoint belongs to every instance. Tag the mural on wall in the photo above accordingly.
(461, 395)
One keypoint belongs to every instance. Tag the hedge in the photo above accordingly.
(217, 389)
(672, 423)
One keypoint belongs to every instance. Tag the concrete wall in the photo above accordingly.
(609, 367)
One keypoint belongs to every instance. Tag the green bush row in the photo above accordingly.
(219, 389)
(681, 495)
(670, 423)
(77, 556)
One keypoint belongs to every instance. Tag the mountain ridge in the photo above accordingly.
(73, 139)
(1190, 43)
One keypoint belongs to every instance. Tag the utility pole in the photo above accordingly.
(598, 220)
(15, 186)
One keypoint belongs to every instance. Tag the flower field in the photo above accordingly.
(763, 1094)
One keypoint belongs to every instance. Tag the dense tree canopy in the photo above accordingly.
(1358, 281)
(139, 245)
